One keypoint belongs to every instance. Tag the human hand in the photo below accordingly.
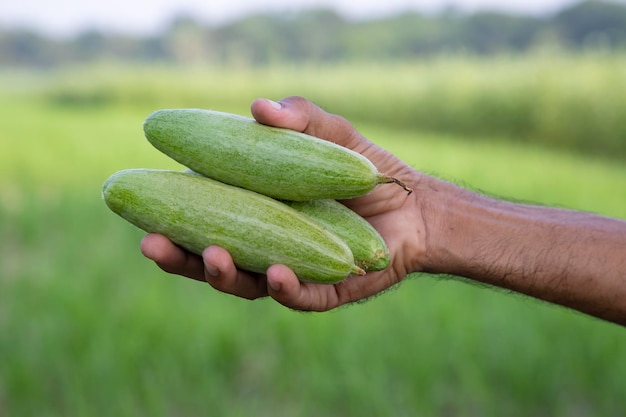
(390, 210)
(570, 258)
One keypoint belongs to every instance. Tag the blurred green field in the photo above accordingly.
(88, 327)
(573, 102)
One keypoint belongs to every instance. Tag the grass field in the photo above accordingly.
(88, 327)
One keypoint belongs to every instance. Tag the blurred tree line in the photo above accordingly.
(324, 36)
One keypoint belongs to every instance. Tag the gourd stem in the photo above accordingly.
(388, 180)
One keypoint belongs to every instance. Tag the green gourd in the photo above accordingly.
(276, 162)
(195, 212)
(368, 247)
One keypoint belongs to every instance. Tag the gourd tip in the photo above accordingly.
(356, 270)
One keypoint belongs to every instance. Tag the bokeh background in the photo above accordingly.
(526, 102)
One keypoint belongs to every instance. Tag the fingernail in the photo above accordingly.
(275, 286)
(212, 270)
(274, 104)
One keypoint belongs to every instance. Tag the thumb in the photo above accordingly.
(299, 114)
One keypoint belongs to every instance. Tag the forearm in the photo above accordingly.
(566, 257)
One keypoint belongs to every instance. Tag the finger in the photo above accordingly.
(172, 258)
(222, 274)
(284, 287)
(299, 114)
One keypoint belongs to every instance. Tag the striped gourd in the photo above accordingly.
(368, 247)
(280, 163)
(258, 231)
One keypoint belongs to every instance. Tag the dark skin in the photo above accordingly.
(574, 259)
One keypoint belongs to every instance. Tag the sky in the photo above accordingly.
(140, 17)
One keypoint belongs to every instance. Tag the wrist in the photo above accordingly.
(459, 230)
(425, 222)
(437, 202)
